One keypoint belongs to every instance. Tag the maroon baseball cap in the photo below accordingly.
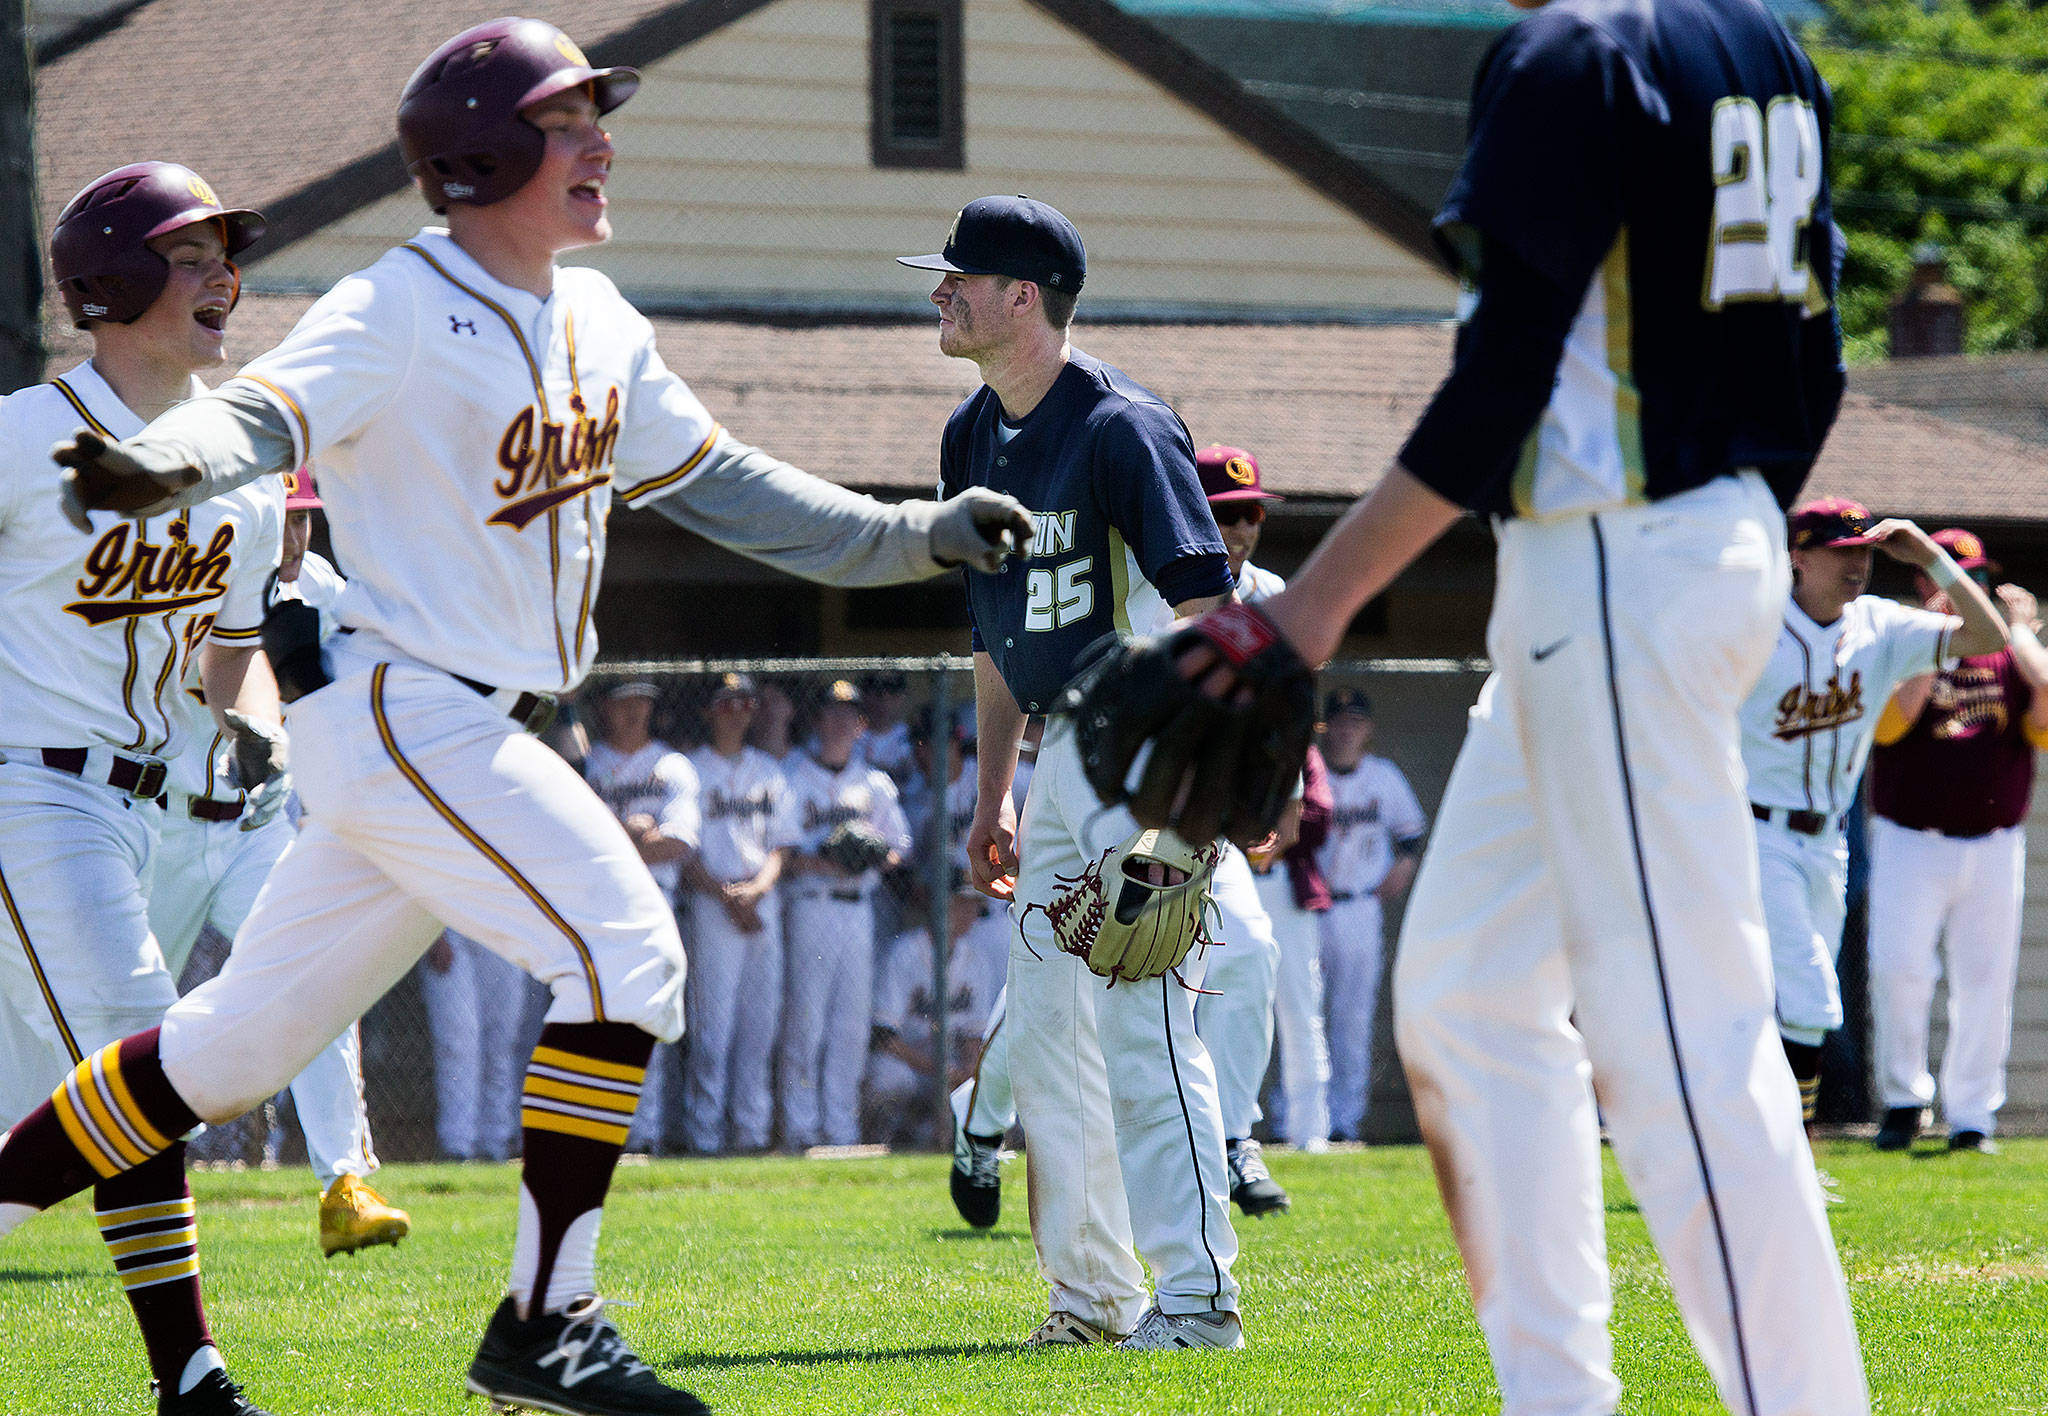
(1829, 522)
(299, 492)
(1964, 548)
(1231, 474)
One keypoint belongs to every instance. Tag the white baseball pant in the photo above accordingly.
(827, 1013)
(1353, 935)
(1116, 1093)
(1304, 1106)
(1962, 894)
(1235, 1017)
(476, 1013)
(990, 1105)
(425, 805)
(1587, 918)
(209, 872)
(79, 967)
(1805, 883)
(735, 1005)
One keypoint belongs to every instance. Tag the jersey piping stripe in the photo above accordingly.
(292, 407)
(1201, 1196)
(1119, 582)
(1628, 400)
(1635, 834)
(669, 479)
(540, 393)
(490, 853)
(235, 635)
(589, 549)
(1805, 686)
(35, 966)
(142, 530)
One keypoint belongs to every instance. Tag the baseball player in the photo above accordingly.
(1647, 366)
(216, 847)
(1369, 860)
(652, 789)
(101, 630)
(886, 743)
(1807, 728)
(1234, 1014)
(1296, 896)
(470, 406)
(749, 825)
(900, 1070)
(1113, 1087)
(1950, 781)
(829, 917)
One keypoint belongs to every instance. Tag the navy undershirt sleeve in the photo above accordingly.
(1195, 577)
(1469, 441)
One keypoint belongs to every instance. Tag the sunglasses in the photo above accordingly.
(1237, 513)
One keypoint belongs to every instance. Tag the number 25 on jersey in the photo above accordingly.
(1056, 598)
(1767, 175)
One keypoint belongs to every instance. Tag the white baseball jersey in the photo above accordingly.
(1255, 583)
(821, 799)
(975, 971)
(204, 767)
(656, 781)
(1374, 809)
(890, 750)
(747, 811)
(100, 627)
(1808, 723)
(318, 584)
(430, 393)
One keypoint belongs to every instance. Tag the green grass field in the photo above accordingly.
(850, 1286)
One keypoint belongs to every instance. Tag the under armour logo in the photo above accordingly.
(456, 326)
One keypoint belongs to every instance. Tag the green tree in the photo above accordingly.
(1941, 134)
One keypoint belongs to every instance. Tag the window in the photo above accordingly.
(914, 84)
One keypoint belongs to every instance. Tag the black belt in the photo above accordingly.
(1806, 823)
(136, 776)
(1338, 897)
(532, 711)
(852, 897)
(213, 809)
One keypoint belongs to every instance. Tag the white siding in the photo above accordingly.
(744, 176)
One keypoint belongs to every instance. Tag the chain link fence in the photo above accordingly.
(849, 1006)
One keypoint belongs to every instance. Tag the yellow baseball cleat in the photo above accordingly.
(353, 1216)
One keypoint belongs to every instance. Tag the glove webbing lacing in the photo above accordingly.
(1086, 892)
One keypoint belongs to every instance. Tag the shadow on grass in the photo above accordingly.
(868, 1356)
(979, 1236)
(22, 1275)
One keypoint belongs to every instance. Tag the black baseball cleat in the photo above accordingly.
(574, 1363)
(215, 1395)
(1252, 1187)
(977, 1178)
(1973, 1141)
(1901, 1125)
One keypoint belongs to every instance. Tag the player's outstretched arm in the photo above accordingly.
(201, 448)
(772, 512)
(1983, 630)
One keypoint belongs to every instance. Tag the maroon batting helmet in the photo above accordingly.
(100, 252)
(459, 122)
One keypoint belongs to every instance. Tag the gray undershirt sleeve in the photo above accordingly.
(783, 516)
(233, 435)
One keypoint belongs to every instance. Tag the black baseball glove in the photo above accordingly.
(855, 847)
(1217, 766)
(104, 476)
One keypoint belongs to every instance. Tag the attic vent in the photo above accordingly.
(915, 80)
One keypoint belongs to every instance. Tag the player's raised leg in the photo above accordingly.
(1234, 1018)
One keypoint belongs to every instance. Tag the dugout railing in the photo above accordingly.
(444, 1050)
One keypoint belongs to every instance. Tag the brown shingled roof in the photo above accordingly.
(1324, 406)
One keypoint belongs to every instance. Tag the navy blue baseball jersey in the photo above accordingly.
(1122, 529)
(1643, 215)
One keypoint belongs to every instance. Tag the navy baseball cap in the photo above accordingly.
(1014, 236)
(1347, 700)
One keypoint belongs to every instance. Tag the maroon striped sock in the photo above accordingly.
(148, 1223)
(582, 1087)
(115, 1111)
